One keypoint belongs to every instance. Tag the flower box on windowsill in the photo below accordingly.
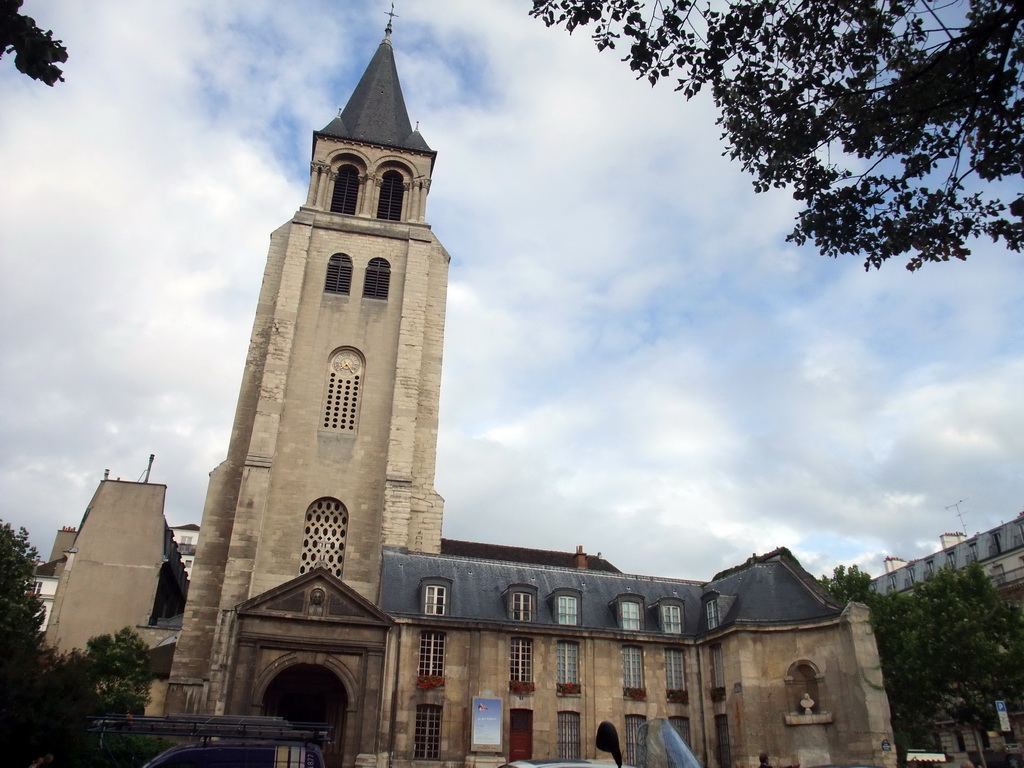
(637, 694)
(520, 686)
(567, 689)
(718, 694)
(426, 682)
(677, 696)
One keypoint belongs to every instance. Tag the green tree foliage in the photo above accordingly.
(949, 648)
(36, 53)
(848, 585)
(896, 124)
(120, 671)
(44, 695)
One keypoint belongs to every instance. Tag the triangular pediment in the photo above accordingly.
(318, 595)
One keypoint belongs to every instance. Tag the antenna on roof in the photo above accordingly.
(391, 17)
(963, 525)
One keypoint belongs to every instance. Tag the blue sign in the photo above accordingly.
(886, 746)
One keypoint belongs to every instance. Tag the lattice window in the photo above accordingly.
(633, 725)
(520, 667)
(522, 606)
(711, 611)
(567, 661)
(722, 741)
(324, 541)
(632, 667)
(671, 619)
(392, 192)
(568, 610)
(682, 726)
(346, 191)
(377, 280)
(344, 382)
(568, 735)
(435, 597)
(629, 614)
(339, 274)
(675, 670)
(432, 653)
(427, 737)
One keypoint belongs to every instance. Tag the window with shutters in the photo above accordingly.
(392, 191)
(339, 274)
(346, 191)
(323, 543)
(377, 279)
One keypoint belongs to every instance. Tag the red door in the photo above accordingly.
(520, 734)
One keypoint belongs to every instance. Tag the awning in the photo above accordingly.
(926, 757)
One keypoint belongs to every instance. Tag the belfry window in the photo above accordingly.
(346, 191)
(377, 280)
(323, 543)
(392, 191)
(339, 274)
(344, 382)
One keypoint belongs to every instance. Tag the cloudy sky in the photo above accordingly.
(635, 360)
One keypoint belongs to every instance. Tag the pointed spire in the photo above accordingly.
(376, 111)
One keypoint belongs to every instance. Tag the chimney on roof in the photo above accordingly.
(580, 559)
(948, 540)
(893, 563)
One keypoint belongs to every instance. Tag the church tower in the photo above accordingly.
(333, 444)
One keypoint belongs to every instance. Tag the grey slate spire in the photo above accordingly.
(376, 111)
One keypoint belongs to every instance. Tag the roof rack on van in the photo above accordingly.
(213, 726)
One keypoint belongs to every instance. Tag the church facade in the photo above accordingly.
(322, 589)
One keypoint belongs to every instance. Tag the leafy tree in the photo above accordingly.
(21, 611)
(848, 585)
(894, 123)
(120, 671)
(36, 53)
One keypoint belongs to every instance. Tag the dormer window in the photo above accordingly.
(435, 598)
(711, 612)
(565, 606)
(630, 610)
(522, 606)
(521, 602)
(671, 618)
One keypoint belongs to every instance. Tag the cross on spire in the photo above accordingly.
(391, 17)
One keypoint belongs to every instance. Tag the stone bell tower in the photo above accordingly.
(333, 444)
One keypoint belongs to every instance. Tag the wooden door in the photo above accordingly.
(520, 734)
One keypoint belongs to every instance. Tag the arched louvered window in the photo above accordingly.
(392, 190)
(339, 274)
(323, 542)
(377, 280)
(346, 191)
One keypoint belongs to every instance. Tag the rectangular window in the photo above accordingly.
(972, 552)
(632, 667)
(568, 610)
(717, 667)
(567, 662)
(711, 610)
(427, 737)
(951, 559)
(39, 588)
(929, 568)
(722, 741)
(682, 726)
(522, 606)
(996, 545)
(675, 672)
(633, 725)
(671, 619)
(435, 595)
(431, 653)
(629, 614)
(568, 735)
(520, 665)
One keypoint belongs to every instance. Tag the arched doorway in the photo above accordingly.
(308, 693)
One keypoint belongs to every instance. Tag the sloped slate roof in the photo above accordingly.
(376, 111)
(767, 593)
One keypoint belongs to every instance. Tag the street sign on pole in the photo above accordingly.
(1004, 719)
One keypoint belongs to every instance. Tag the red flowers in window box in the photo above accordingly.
(567, 689)
(637, 694)
(426, 682)
(520, 686)
(677, 696)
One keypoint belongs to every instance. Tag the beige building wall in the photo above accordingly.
(116, 554)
